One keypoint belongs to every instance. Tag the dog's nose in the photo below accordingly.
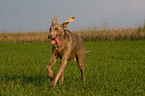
(49, 36)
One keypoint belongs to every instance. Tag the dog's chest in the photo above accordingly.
(61, 51)
(66, 53)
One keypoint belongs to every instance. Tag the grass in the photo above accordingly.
(112, 68)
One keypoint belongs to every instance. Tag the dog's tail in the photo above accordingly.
(88, 52)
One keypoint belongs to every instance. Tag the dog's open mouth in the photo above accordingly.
(56, 41)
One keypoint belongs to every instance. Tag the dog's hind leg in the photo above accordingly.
(81, 62)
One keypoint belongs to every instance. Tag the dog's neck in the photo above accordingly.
(64, 35)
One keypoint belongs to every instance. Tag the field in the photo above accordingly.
(89, 34)
(112, 68)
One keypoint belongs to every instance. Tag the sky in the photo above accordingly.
(37, 15)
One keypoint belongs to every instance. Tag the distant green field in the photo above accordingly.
(112, 68)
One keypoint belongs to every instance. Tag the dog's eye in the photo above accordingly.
(56, 29)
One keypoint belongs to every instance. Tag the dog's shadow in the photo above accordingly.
(36, 80)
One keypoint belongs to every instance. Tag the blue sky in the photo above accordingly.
(36, 15)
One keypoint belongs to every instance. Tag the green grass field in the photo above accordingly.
(112, 68)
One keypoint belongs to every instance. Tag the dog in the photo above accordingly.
(65, 45)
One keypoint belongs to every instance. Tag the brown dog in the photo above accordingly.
(66, 45)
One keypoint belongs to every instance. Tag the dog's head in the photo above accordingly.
(56, 30)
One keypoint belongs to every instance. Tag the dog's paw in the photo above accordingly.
(61, 83)
(50, 86)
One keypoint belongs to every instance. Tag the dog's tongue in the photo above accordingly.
(59, 43)
(53, 42)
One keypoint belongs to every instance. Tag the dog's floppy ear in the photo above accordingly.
(55, 19)
(65, 23)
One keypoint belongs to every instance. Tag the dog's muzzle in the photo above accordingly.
(50, 36)
(56, 40)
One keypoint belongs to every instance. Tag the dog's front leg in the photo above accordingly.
(61, 69)
(51, 63)
(61, 78)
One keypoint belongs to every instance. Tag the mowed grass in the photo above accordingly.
(112, 68)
